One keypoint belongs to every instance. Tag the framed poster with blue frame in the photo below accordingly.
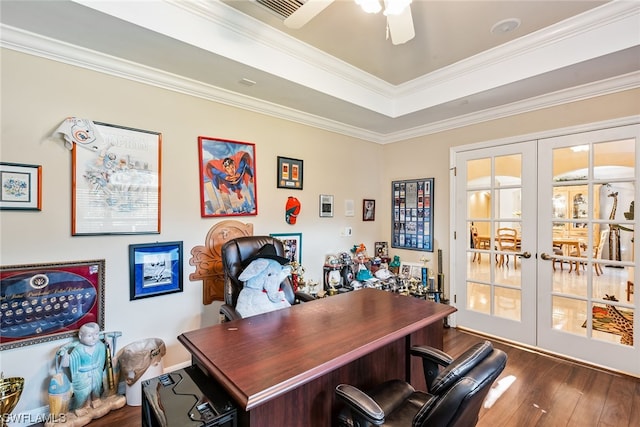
(155, 269)
(412, 214)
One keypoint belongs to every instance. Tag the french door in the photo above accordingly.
(568, 286)
(497, 191)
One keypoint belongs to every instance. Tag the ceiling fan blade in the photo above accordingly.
(401, 27)
(306, 13)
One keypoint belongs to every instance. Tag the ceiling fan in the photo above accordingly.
(398, 13)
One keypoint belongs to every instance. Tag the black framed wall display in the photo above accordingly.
(412, 215)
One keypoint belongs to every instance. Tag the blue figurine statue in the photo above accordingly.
(86, 363)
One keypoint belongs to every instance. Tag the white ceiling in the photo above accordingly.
(339, 72)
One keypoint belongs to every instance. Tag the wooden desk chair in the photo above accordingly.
(507, 241)
(596, 254)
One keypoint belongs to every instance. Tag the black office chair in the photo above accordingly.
(235, 253)
(453, 398)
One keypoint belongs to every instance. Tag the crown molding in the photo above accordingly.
(605, 29)
(33, 44)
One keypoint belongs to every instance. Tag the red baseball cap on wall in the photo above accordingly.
(292, 210)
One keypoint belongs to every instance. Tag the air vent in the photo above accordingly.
(282, 8)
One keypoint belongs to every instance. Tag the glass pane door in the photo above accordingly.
(497, 214)
(587, 188)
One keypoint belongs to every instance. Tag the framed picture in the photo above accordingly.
(21, 187)
(326, 205)
(228, 185)
(368, 210)
(116, 189)
(292, 245)
(412, 214)
(155, 269)
(382, 249)
(411, 270)
(46, 302)
(289, 173)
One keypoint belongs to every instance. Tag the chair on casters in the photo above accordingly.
(234, 254)
(453, 398)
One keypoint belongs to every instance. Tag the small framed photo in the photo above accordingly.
(155, 269)
(410, 270)
(326, 205)
(368, 210)
(292, 245)
(382, 249)
(21, 187)
(290, 173)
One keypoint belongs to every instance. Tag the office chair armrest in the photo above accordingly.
(362, 406)
(304, 297)
(229, 312)
(433, 354)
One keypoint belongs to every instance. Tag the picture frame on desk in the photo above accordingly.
(155, 269)
(411, 270)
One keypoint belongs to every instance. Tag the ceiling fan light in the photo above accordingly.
(369, 6)
(395, 7)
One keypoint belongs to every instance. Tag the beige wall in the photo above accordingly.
(428, 156)
(37, 94)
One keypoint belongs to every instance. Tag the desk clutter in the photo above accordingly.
(344, 272)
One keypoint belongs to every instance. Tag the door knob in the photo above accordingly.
(545, 256)
(526, 255)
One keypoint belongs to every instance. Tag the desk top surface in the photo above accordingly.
(262, 357)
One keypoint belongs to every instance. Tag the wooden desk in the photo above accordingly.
(281, 368)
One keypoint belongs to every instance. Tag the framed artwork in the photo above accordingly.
(292, 245)
(411, 270)
(290, 173)
(412, 214)
(116, 189)
(155, 269)
(326, 205)
(382, 249)
(46, 302)
(228, 184)
(368, 210)
(21, 187)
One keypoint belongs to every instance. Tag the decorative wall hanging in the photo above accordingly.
(292, 245)
(46, 302)
(290, 173)
(21, 186)
(116, 190)
(155, 269)
(412, 205)
(208, 259)
(227, 178)
(326, 205)
(368, 210)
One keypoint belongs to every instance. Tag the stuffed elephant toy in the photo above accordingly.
(261, 292)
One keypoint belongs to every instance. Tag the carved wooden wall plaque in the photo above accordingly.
(208, 258)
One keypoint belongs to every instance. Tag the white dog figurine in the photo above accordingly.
(261, 292)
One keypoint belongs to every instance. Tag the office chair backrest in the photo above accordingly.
(235, 252)
(460, 399)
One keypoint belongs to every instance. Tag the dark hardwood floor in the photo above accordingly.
(548, 391)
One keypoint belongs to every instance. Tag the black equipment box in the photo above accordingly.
(186, 398)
